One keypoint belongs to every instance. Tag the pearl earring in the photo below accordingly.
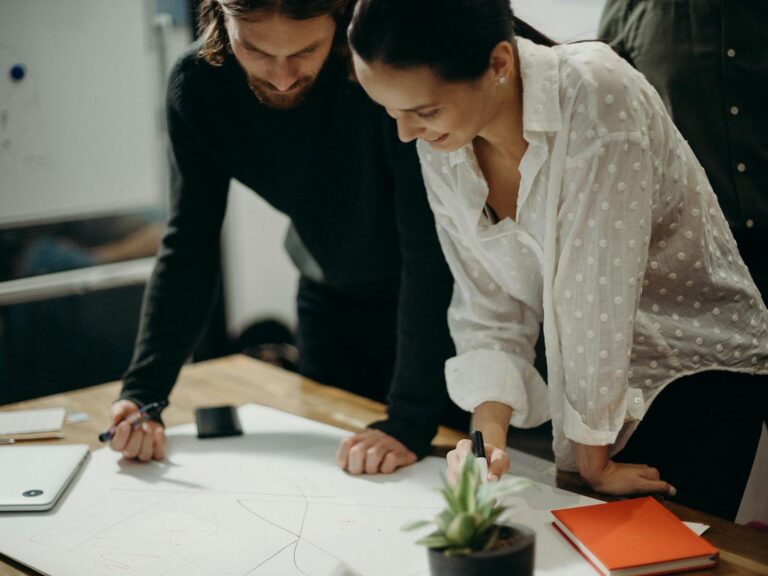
(502, 80)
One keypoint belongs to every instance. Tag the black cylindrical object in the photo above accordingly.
(515, 560)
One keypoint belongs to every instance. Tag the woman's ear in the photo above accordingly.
(502, 61)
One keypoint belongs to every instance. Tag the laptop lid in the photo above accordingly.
(34, 477)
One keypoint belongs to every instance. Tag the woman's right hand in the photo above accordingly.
(492, 419)
(498, 460)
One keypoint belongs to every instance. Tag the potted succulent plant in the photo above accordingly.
(468, 541)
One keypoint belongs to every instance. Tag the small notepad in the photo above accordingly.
(31, 421)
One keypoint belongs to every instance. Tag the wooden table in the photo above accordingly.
(240, 380)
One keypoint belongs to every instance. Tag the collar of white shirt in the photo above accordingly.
(541, 95)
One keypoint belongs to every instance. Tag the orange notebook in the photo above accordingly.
(637, 537)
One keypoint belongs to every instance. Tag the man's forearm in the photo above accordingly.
(418, 393)
(176, 308)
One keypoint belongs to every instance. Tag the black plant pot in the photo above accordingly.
(514, 560)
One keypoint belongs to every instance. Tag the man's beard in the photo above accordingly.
(268, 96)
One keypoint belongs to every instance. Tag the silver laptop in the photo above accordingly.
(34, 477)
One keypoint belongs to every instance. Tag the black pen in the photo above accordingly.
(135, 419)
(478, 449)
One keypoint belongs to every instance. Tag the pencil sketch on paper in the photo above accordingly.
(250, 524)
(239, 533)
(269, 503)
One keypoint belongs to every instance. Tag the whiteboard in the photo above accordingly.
(562, 20)
(80, 133)
(270, 502)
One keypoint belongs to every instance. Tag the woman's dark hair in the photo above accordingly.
(453, 37)
(214, 40)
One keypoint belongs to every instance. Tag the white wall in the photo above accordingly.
(561, 20)
(259, 278)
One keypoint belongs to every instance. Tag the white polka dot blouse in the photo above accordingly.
(619, 250)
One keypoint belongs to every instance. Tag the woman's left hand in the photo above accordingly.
(619, 479)
(609, 477)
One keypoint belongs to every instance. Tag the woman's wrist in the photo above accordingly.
(492, 419)
(591, 460)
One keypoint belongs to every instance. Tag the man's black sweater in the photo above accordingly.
(354, 195)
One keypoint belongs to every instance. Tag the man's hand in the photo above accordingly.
(617, 479)
(373, 452)
(145, 442)
(498, 460)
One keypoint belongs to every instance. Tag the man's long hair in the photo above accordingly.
(214, 41)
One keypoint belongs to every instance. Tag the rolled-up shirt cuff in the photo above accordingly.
(575, 429)
(482, 376)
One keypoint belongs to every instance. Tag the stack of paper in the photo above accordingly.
(13, 423)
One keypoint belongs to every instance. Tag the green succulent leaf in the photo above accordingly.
(415, 525)
(494, 535)
(485, 509)
(443, 520)
(434, 541)
(468, 523)
(469, 480)
(451, 499)
(490, 520)
(484, 493)
(501, 488)
(463, 551)
(461, 530)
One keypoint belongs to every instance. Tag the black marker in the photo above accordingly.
(478, 449)
(135, 419)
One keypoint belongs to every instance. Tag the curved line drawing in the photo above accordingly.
(299, 536)
(301, 531)
(205, 531)
(260, 564)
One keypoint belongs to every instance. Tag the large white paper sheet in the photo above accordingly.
(271, 502)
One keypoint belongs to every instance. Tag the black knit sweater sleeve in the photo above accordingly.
(418, 392)
(181, 291)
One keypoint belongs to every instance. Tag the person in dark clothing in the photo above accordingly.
(708, 59)
(267, 98)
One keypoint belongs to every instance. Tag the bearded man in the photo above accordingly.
(266, 97)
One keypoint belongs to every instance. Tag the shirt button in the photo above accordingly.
(734, 110)
(731, 52)
(750, 223)
(741, 167)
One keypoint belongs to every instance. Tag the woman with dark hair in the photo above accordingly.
(565, 196)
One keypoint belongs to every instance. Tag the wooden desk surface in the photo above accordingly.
(240, 380)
